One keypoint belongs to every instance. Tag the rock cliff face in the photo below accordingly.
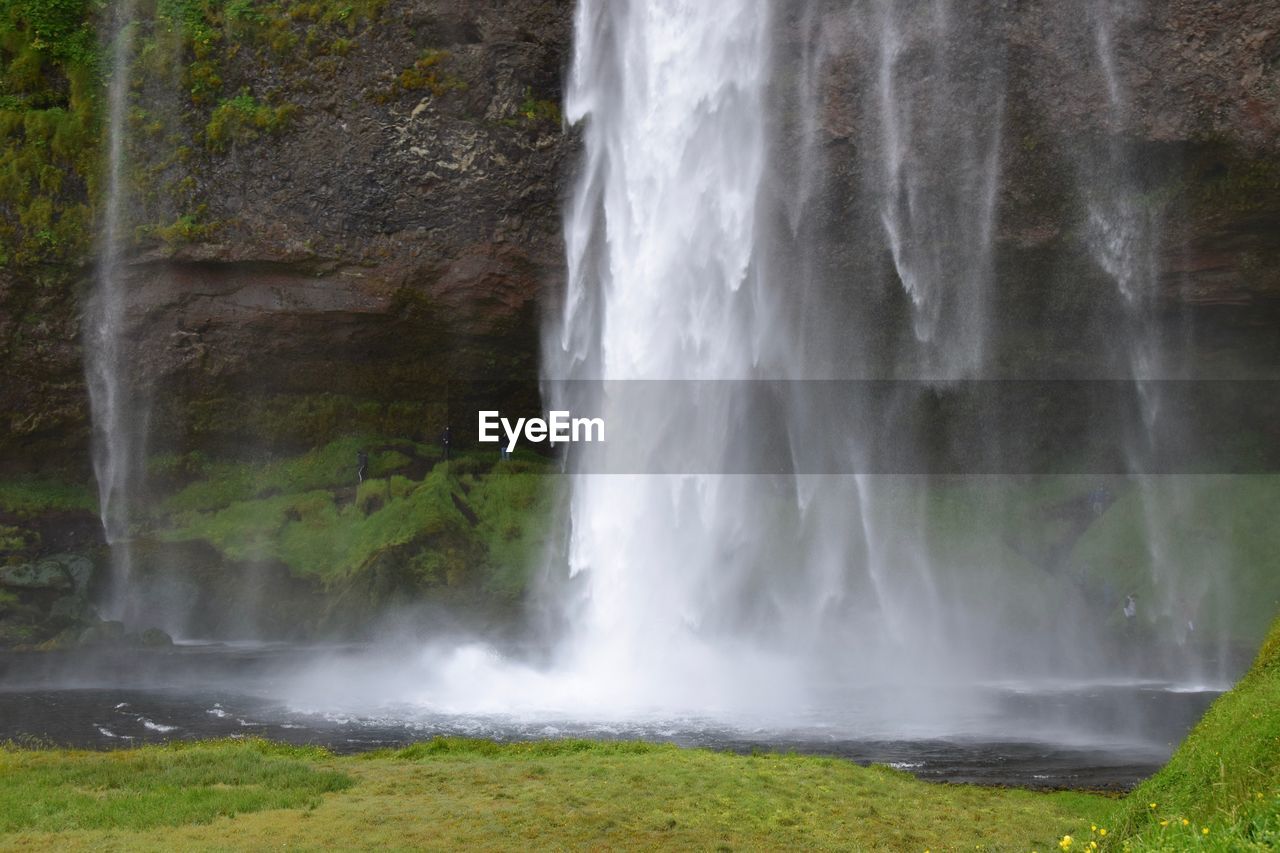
(360, 212)
(395, 223)
(1178, 101)
(340, 207)
(1199, 91)
(398, 234)
(335, 209)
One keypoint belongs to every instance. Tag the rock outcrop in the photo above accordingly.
(45, 599)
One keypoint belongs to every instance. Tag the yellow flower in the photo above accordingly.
(1164, 823)
(1065, 843)
(1093, 827)
(1093, 845)
(1186, 822)
(1102, 832)
(1205, 830)
(1153, 805)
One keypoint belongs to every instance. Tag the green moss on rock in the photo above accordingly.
(473, 524)
(243, 119)
(428, 74)
(33, 496)
(49, 112)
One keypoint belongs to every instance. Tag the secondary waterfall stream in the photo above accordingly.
(117, 418)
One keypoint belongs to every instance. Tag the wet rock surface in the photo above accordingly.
(1178, 102)
(401, 231)
(405, 230)
(46, 601)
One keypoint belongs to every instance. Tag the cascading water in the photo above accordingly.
(1123, 228)
(768, 194)
(116, 427)
(1124, 237)
(703, 593)
(672, 99)
(702, 245)
(941, 130)
(661, 239)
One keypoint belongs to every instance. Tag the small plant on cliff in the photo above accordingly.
(243, 119)
(534, 109)
(428, 74)
(187, 228)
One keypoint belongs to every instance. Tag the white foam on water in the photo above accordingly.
(156, 727)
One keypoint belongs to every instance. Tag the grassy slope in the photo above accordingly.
(307, 512)
(32, 496)
(1225, 777)
(1213, 528)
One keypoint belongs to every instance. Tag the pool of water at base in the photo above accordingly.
(1086, 735)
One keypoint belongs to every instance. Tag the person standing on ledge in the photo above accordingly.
(446, 439)
(362, 465)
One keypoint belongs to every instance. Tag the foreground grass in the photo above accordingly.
(458, 794)
(157, 787)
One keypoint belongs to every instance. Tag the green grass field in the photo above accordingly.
(457, 794)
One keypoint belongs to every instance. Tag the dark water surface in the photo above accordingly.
(1086, 735)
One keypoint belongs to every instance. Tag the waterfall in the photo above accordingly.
(1124, 233)
(941, 128)
(663, 285)
(114, 406)
(692, 586)
(732, 222)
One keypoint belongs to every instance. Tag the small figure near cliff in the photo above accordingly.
(1098, 499)
(1130, 607)
(362, 465)
(1189, 609)
(446, 440)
